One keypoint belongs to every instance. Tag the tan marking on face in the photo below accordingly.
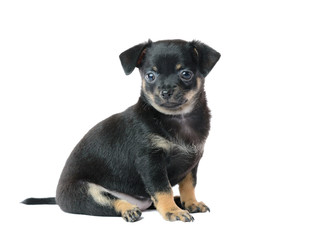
(149, 96)
(184, 109)
(154, 68)
(143, 85)
(96, 192)
(190, 95)
(199, 83)
(178, 66)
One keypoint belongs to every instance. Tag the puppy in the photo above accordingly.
(131, 160)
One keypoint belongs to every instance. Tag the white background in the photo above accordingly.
(60, 75)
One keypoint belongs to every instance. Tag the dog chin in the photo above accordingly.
(171, 105)
(169, 108)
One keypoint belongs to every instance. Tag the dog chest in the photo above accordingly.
(176, 149)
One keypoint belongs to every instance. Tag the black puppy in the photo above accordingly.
(130, 160)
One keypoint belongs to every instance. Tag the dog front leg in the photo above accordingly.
(154, 175)
(187, 194)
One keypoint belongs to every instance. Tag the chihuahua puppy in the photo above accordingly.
(131, 160)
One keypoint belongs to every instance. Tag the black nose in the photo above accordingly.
(166, 93)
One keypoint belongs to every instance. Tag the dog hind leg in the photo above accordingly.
(91, 199)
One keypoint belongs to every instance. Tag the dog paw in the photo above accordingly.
(132, 215)
(195, 207)
(178, 215)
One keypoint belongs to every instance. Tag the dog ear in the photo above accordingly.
(206, 56)
(133, 57)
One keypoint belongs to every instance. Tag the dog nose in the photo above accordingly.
(166, 93)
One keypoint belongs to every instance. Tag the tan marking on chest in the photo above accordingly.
(168, 146)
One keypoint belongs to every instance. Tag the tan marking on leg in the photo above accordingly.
(96, 192)
(122, 206)
(128, 211)
(164, 202)
(188, 197)
(186, 189)
(166, 206)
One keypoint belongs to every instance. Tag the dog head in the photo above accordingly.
(172, 72)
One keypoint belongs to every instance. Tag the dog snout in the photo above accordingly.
(166, 93)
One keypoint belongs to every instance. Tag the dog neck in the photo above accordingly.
(192, 127)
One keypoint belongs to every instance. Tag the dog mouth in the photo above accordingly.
(172, 105)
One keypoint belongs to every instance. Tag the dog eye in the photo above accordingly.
(186, 75)
(150, 77)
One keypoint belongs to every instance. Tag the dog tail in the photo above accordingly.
(36, 201)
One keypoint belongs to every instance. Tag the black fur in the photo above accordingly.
(37, 201)
(120, 153)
